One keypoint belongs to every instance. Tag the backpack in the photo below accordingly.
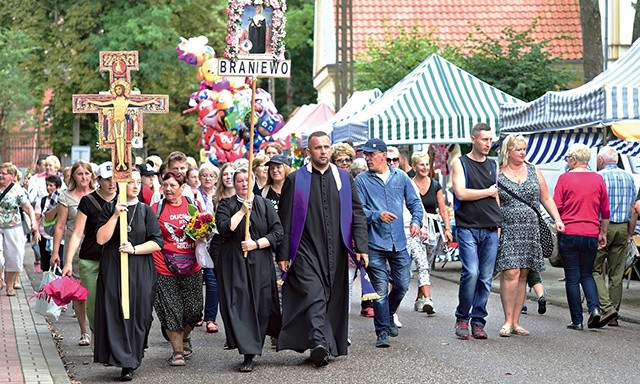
(161, 205)
(49, 226)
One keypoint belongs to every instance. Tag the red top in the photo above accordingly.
(146, 194)
(172, 221)
(582, 200)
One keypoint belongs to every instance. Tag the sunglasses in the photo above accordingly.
(393, 159)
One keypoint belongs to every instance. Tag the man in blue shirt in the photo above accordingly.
(622, 195)
(383, 192)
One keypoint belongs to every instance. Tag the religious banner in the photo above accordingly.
(120, 110)
(256, 29)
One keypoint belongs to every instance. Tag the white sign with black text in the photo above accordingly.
(257, 68)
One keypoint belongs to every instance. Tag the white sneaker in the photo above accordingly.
(419, 304)
(396, 321)
(428, 307)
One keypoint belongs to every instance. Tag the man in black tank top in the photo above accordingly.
(478, 217)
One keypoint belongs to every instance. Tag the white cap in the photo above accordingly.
(105, 170)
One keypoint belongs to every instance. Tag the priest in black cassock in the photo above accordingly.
(323, 224)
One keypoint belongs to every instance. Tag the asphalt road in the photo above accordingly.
(426, 351)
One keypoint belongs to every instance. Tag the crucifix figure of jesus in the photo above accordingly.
(120, 105)
(120, 114)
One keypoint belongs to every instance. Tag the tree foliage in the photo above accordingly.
(71, 33)
(386, 62)
(17, 91)
(514, 62)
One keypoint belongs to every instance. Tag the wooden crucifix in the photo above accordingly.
(120, 112)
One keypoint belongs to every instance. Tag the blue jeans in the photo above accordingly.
(578, 255)
(399, 272)
(478, 248)
(211, 294)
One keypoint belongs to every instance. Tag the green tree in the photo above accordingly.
(515, 63)
(386, 62)
(17, 90)
(74, 32)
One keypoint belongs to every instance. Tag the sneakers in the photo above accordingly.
(396, 321)
(85, 340)
(462, 330)
(383, 340)
(524, 310)
(367, 312)
(542, 305)
(419, 304)
(393, 328)
(428, 307)
(478, 331)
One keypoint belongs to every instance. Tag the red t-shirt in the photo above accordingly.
(582, 200)
(172, 220)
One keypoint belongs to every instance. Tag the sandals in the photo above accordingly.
(85, 340)
(177, 359)
(519, 331)
(212, 327)
(506, 331)
(188, 348)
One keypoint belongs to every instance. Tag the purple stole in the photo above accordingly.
(301, 193)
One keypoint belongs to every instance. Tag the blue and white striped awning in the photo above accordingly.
(611, 96)
(437, 103)
(549, 147)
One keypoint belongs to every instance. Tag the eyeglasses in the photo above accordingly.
(393, 159)
(4, 173)
(208, 176)
(345, 160)
(566, 158)
(370, 154)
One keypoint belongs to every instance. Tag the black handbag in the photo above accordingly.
(546, 237)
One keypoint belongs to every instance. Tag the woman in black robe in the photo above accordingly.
(120, 342)
(247, 286)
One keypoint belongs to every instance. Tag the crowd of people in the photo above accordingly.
(288, 272)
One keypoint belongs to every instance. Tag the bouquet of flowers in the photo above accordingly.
(201, 228)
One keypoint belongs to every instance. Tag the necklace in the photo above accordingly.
(131, 219)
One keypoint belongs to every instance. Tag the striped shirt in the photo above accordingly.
(621, 191)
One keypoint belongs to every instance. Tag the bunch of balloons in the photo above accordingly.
(223, 105)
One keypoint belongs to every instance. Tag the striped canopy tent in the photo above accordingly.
(343, 127)
(437, 103)
(307, 118)
(609, 105)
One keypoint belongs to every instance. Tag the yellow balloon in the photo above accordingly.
(209, 71)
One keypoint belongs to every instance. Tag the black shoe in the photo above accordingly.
(594, 318)
(393, 328)
(127, 374)
(320, 356)
(542, 305)
(577, 327)
(609, 315)
(247, 364)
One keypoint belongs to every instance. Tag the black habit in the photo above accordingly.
(117, 341)
(315, 295)
(247, 286)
